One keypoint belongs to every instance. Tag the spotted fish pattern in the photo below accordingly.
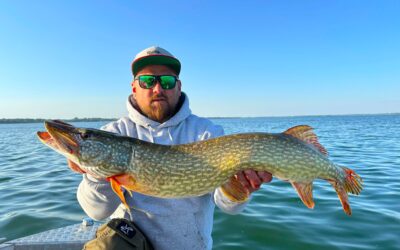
(175, 171)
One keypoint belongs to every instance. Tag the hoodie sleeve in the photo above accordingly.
(223, 202)
(95, 195)
(96, 198)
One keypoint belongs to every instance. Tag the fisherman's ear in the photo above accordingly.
(179, 85)
(133, 86)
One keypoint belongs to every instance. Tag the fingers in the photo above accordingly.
(234, 190)
(264, 176)
(75, 167)
(251, 180)
(245, 183)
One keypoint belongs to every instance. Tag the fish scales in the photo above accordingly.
(200, 166)
(175, 171)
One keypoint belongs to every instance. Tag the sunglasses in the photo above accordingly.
(149, 81)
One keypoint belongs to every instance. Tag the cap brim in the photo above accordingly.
(171, 62)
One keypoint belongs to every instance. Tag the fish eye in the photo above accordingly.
(85, 135)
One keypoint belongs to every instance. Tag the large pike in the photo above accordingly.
(198, 168)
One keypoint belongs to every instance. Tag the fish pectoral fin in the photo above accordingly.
(234, 190)
(117, 188)
(126, 180)
(304, 190)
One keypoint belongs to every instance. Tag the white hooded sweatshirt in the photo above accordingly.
(169, 223)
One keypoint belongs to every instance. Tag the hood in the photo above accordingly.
(183, 112)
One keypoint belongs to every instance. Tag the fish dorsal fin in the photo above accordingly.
(306, 134)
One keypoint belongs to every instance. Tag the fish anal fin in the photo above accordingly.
(343, 197)
(306, 134)
(234, 190)
(304, 190)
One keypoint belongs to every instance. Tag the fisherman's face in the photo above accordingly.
(157, 103)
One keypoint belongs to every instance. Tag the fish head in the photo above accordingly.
(61, 137)
(87, 147)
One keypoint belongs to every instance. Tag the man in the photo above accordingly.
(159, 113)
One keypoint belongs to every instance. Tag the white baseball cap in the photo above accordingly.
(155, 56)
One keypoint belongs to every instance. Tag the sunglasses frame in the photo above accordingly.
(157, 79)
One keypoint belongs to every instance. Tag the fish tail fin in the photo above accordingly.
(352, 184)
(304, 190)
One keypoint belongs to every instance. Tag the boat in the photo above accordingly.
(70, 237)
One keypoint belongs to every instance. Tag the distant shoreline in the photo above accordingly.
(291, 116)
(41, 120)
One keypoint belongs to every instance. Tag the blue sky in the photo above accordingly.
(65, 59)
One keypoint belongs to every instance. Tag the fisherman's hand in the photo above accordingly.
(243, 183)
(251, 180)
(75, 167)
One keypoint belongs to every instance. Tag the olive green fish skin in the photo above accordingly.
(177, 171)
(198, 168)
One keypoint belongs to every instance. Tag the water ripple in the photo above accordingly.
(38, 192)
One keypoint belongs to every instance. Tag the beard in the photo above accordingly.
(159, 108)
(160, 111)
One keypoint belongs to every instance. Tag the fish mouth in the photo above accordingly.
(60, 136)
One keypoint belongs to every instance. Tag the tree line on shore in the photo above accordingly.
(40, 120)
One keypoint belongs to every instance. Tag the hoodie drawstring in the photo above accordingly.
(170, 135)
(150, 133)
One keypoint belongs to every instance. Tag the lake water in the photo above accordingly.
(37, 190)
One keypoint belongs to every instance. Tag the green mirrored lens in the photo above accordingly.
(167, 82)
(147, 82)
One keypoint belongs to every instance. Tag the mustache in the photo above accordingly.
(158, 97)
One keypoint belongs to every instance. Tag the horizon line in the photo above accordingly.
(209, 117)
